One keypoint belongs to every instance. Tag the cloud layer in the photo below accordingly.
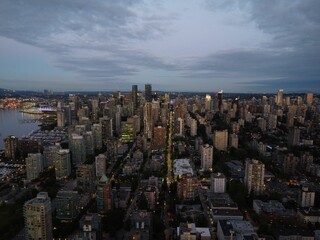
(242, 45)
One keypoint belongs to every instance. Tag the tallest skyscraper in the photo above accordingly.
(148, 92)
(134, 96)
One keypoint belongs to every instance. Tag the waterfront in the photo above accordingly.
(14, 122)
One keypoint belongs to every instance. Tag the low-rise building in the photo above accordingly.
(182, 166)
(235, 229)
(309, 215)
(189, 231)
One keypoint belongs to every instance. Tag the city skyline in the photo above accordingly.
(238, 46)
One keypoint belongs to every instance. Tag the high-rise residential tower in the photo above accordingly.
(101, 165)
(103, 195)
(218, 183)
(294, 136)
(233, 140)
(61, 122)
(37, 218)
(280, 97)
(220, 140)
(78, 149)
(254, 176)
(62, 163)
(206, 156)
(34, 165)
(11, 146)
(309, 98)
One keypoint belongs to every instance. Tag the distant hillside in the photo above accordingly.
(2, 90)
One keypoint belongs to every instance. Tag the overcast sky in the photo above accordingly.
(184, 45)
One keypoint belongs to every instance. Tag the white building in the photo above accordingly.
(218, 183)
(206, 156)
(306, 197)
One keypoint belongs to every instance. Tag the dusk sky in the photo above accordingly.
(183, 45)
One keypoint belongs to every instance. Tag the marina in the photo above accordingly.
(19, 124)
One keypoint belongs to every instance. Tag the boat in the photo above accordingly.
(32, 111)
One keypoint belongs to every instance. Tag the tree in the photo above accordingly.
(238, 193)
(158, 226)
(113, 221)
(143, 202)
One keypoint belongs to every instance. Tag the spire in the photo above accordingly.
(103, 178)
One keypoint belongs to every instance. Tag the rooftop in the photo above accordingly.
(182, 166)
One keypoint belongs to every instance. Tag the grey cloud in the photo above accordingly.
(291, 58)
(291, 23)
(65, 28)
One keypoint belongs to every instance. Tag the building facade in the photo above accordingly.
(206, 156)
(34, 165)
(220, 140)
(37, 218)
(254, 176)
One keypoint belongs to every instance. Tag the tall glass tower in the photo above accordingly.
(148, 92)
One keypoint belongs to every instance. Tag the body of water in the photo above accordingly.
(13, 122)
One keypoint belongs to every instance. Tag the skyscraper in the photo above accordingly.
(219, 98)
(254, 176)
(159, 137)
(89, 143)
(147, 119)
(62, 163)
(78, 149)
(233, 140)
(294, 136)
(309, 98)
(103, 195)
(11, 146)
(290, 163)
(60, 119)
(280, 97)
(34, 165)
(97, 135)
(220, 140)
(49, 153)
(134, 96)
(106, 126)
(218, 183)
(193, 127)
(179, 126)
(148, 92)
(37, 217)
(85, 178)
(206, 156)
(188, 187)
(67, 205)
(127, 131)
(208, 102)
(101, 165)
